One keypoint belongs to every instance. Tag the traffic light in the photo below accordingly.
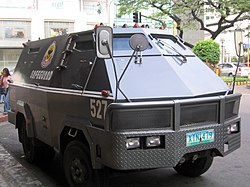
(137, 17)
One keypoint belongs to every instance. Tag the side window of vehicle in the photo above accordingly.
(83, 46)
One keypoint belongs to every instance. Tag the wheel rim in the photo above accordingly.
(78, 172)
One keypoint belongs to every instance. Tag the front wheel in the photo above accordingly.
(194, 168)
(78, 168)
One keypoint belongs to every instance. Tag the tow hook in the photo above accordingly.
(195, 157)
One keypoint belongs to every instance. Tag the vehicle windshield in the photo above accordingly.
(170, 49)
(171, 45)
(121, 43)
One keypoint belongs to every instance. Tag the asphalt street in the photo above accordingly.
(230, 171)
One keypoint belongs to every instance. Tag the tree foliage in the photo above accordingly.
(186, 12)
(228, 12)
(208, 51)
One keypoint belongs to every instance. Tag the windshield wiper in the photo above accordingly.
(163, 44)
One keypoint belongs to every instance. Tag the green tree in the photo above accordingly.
(187, 12)
(228, 12)
(208, 51)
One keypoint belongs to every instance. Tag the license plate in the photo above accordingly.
(200, 137)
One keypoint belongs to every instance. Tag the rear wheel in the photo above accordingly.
(28, 148)
(194, 168)
(32, 152)
(78, 168)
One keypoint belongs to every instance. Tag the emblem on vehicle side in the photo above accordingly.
(48, 56)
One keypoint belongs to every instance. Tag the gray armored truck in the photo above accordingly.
(125, 99)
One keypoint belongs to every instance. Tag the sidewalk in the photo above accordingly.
(12, 173)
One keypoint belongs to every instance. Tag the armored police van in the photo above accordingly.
(125, 99)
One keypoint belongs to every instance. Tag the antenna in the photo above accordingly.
(238, 40)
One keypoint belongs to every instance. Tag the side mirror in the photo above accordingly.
(138, 42)
(104, 42)
(238, 40)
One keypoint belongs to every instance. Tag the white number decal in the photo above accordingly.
(98, 108)
(92, 108)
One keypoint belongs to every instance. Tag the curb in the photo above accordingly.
(3, 118)
(238, 83)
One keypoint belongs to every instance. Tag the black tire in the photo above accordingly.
(78, 168)
(28, 147)
(230, 75)
(194, 168)
(32, 152)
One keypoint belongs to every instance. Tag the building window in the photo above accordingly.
(9, 58)
(18, 4)
(53, 28)
(94, 7)
(14, 30)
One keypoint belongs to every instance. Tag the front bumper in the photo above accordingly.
(141, 120)
(118, 157)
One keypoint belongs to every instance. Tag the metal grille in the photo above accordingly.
(200, 113)
(141, 118)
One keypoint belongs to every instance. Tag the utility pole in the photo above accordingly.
(222, 49)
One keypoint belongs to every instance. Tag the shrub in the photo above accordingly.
(208, 51)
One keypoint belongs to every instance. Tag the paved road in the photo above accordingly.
(231, 171)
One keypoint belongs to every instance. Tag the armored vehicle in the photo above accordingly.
(125, 99)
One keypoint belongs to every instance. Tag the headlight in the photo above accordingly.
(132, 143)
(234, 128)
(153, 141)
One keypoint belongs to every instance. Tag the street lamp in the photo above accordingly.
(222, 49)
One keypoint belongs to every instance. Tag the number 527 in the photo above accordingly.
(98, 108)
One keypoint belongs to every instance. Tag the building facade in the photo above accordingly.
(23, 20)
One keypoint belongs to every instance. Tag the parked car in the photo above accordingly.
(229, 69)
(246, 64)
